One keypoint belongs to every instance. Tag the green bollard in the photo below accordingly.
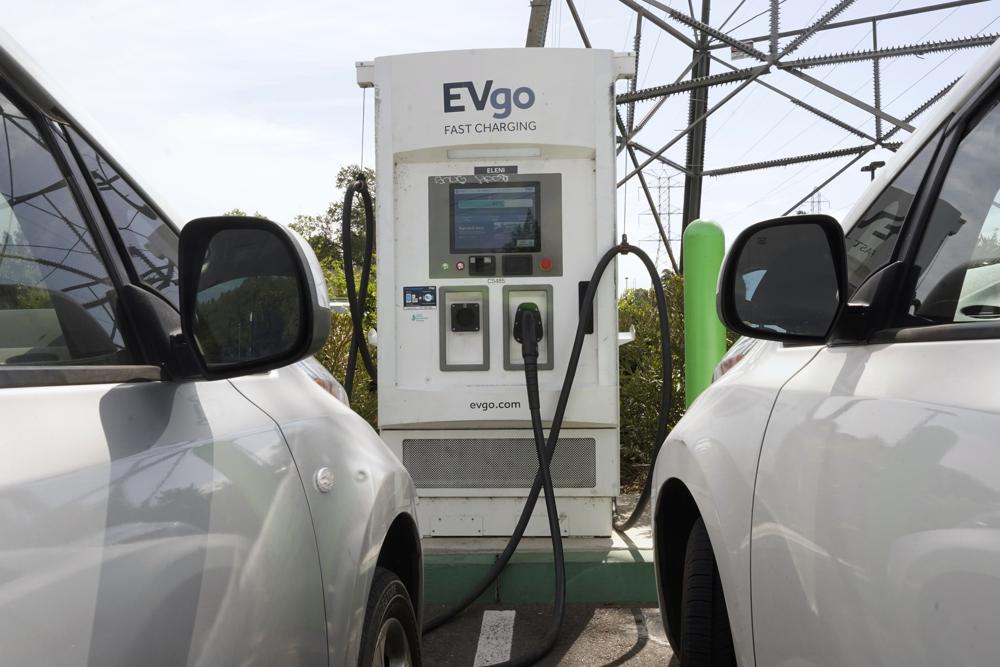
(702, 249)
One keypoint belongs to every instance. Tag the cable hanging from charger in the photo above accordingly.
(527, 332)
(357, 294)
(666, 397)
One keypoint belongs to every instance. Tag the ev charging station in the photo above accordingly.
(496, 188)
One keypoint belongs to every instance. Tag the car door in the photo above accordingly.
(876, 520)
(142, 521)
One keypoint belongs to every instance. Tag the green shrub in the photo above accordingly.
(640, 370)
(334, 357)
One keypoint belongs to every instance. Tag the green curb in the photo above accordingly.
(621, 576)
(449, 577)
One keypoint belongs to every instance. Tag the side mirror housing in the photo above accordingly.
(785, 279)
(252, 296)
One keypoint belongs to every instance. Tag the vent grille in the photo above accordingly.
(497, 463)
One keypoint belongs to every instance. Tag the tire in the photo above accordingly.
(390, 637)
(705, 637)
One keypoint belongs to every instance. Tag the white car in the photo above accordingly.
(174, 488)
(834, 497)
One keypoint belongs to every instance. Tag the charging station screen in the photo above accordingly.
(500, 217)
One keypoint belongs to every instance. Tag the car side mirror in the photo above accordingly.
(785, 279)
(252, 296)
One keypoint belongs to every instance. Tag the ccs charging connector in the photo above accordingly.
(528, 332)
(528, 328)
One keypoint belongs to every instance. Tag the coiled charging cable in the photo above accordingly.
(357, 296)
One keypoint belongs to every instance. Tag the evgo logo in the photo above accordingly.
(501, 100)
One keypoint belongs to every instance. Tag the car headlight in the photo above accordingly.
(324, 378)
(740, 349)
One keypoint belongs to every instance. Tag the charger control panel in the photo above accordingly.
(495, 225)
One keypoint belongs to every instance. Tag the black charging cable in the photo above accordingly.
(357, 296)
(666, 397)
(666, 379)
(527, 332)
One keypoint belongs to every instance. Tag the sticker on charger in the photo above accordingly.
(424, 296)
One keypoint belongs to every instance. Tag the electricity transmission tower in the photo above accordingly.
(664, 199)
(818, 202)
(777, 53)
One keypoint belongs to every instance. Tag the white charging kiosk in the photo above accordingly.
(495, 186)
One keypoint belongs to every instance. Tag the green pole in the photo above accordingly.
(704, 336)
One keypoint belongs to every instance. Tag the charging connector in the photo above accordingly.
(528, 327)
(528, 332)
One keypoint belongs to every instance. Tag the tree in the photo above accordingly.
(240, 212)
(323, 231)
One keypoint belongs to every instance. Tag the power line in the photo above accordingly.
(775, 58)
(846, 136)
(946, 59)
(809, 92)
(755, 16)
(908, 88)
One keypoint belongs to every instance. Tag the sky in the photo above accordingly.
(253, 104)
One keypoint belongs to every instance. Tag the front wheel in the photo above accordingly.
(390, 637)
(705, 637)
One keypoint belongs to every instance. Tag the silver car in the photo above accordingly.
(174, 488)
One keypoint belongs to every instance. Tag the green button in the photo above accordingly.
(445, 266)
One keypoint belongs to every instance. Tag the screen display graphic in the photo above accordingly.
(501, 217)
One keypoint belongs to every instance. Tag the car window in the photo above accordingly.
(57, 302)
(958, 261)
(150, 243)
(873, 238)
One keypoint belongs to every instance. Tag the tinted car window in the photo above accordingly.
(150, 243)
(958, 262)
(57, 302)
(873, 238)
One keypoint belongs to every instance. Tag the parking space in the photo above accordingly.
(591, 635)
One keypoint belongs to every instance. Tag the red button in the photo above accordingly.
(545, 264)
(460, 266)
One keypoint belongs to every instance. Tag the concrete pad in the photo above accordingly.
(591, 635)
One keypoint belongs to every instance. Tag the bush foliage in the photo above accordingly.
(640, 370)
(324, 234)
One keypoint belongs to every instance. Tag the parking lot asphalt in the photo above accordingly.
(591, 635)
